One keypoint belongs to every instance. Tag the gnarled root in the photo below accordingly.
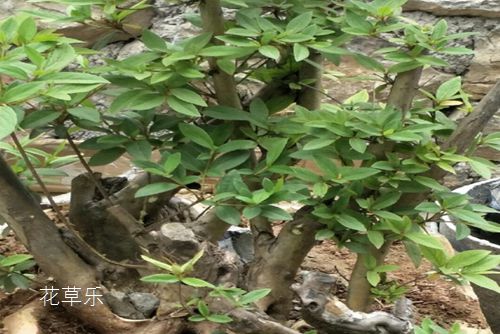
(330, 316)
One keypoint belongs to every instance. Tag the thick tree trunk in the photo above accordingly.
(42, 238)
(401, 97)
(224, 84)
(278, 260)
(359, 297)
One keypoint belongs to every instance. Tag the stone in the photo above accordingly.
(120, 304)
(181, 238)
(239, 242)
(144, 302)
(25, 320)
(484, 8)
(484, 70)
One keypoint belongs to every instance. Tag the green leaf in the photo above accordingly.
(21, 281)
(449, 89)
(227, 65)
(235, 145)
(413, 252)
(14, 259)
(404, 67)
(203, 308)
(197, 318)
(318, 143)
(59, 58)
(86, 113)
(182, 107)
(429, 207)
(140, 150)
(73, 78)
(356, 173)
(270, 52)
(482, 281)
(460, 50)
(462, 231)
(228, 161)
(274, 147)
(226, 51)
(157, 263)
(197, 135)
(22, 92)
(172, 162)
(376, 238)
(466, 258)
(360, 97)
(153, 41)
(250, 212)
(466, 215)
(424, 240)
(300, 52)
(430, 183)
(189, 96)
(39, 118)
(481, 168)
(299, 23)
(274, 213)
(34, 56)
(324, 234)
(373, 278)
(491, 262)
(320, 189)
(432, 61)
(160, 278)
(369, 62)
(228, 214)
(439, 30)
(359, 145)
(106, 156)
(197, 283)
(254, 296)
(155, 188)
(8, 121)
(350, 222)
(219, 318)
(27, 30)
(386, 200)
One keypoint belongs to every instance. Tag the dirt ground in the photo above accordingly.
(440, 300)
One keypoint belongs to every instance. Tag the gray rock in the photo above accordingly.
(179, 237)
(120, 304)
(485, 8)
(239, 240)
(144, 302)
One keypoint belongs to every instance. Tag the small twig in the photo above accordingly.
(88, 169)
(321, 92)
(251, 70)
(56, 209)
(38, 179)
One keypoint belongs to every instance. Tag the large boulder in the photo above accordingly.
(484, 8)
(484, 70)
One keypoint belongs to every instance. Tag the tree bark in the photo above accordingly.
(327, 314)
(404, 89)
(310, 96)
(42, 238)
(278, 260)
(224, 84)
(359, 296)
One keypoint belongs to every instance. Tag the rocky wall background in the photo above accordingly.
(479, 71)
